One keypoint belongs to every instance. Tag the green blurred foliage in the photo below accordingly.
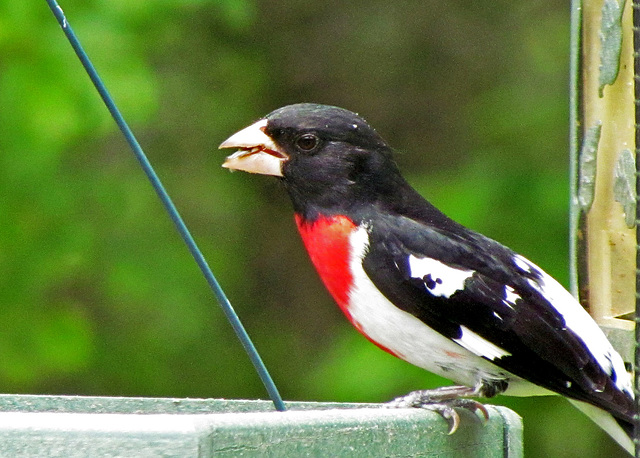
(99, 295)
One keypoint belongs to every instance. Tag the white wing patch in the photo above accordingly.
(580, 322)
(440, 279)
(522, 263)
(510, 296)
(479, 345)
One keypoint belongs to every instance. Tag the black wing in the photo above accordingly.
(501, 299)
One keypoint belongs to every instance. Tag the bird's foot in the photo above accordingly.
(444, 401)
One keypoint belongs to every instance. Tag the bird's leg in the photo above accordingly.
(444, 400)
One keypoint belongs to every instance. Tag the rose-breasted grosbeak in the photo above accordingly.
(423, 287)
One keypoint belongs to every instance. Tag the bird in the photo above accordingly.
(425, 288)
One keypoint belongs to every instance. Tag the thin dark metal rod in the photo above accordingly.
(636, 73)
(171, 209)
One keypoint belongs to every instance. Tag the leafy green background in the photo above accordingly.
(98, 294)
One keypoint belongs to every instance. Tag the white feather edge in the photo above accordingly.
(580, 322)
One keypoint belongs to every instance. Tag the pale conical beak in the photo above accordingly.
(257, 151)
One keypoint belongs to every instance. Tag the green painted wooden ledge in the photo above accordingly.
(74, 426)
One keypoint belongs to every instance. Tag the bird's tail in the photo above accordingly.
(619, 430)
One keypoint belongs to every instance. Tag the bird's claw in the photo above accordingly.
(441, 403)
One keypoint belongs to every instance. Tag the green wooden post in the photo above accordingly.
(73, 426)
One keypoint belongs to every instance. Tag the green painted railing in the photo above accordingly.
(73, 426)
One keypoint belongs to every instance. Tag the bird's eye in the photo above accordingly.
(307, 142)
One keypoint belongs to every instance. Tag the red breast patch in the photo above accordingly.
(327, 242)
